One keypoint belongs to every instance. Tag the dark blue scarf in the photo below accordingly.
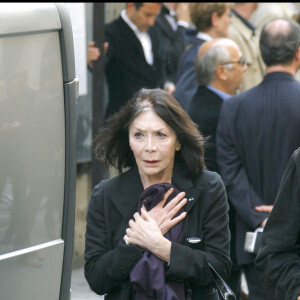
(148, 276)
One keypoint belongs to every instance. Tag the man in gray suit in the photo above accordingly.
(257, 133)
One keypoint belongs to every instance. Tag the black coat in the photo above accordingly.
(258, 130)
(278, 261)
(204, 109)
(126, 68)
(173, 41)
(109, 261)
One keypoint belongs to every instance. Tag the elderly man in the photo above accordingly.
(219, 69)
(211, 21)
(258, 130)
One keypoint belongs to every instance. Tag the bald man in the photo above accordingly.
(219, 69)
(258, 131)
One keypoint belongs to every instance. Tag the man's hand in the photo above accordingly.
(263, 223)
(264, 208)
(94, 52)
(183, 12)
(169, 87)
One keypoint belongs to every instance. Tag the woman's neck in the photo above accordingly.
(150, 180)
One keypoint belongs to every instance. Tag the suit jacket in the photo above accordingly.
(204, 109)
(174, 44)
(125, 65)
(258, 131)
(109, 261)
(248, 43)
(277, 261)
(186, 84)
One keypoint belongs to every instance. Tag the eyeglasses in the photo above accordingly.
(241, 62)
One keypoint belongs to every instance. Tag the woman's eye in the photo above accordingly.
(160, 134)
(138, 134)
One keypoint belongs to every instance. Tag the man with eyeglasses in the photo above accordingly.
(219, 69)
(258, 131)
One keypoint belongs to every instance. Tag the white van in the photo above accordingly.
(37, 151)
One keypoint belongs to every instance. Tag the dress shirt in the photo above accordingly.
(223, 95)
(143, 37)
(203, 36)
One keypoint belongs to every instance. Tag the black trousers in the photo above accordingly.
(256, 290)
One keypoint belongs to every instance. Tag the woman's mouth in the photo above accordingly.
(151, 162)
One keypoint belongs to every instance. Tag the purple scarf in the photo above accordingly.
(148, 276)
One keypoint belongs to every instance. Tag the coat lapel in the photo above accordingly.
(186, 185)
(126, 198)
(165, 26)
(131, 39)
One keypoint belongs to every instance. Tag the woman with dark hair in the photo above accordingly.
(153, 230)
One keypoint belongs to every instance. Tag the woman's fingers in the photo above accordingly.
(178, 207)
(175, 201)
(166, 196)
(146, 216)
(126, 239)
(177, 219)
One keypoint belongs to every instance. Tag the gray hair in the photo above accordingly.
(206, 64)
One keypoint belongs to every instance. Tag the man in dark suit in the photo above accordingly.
(277, 260)
(219, 69)
(211, 21)
(135, 57)
(172, 22)
(257, 133)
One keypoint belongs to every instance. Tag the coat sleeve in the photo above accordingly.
(107, 266)
(277, 261)
(191, 264)
(239, 189)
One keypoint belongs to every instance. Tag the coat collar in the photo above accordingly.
(165, 26)
(126, 198)
(279, 75)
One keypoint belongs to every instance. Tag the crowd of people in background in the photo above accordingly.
(217, 86)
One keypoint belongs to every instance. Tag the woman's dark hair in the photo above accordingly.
(112, 142)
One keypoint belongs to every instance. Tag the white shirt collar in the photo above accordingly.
(128, 21)
(204, 36)
(143, 37)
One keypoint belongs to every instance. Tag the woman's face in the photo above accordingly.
(153, 144)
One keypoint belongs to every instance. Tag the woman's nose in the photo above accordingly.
(150, 145)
